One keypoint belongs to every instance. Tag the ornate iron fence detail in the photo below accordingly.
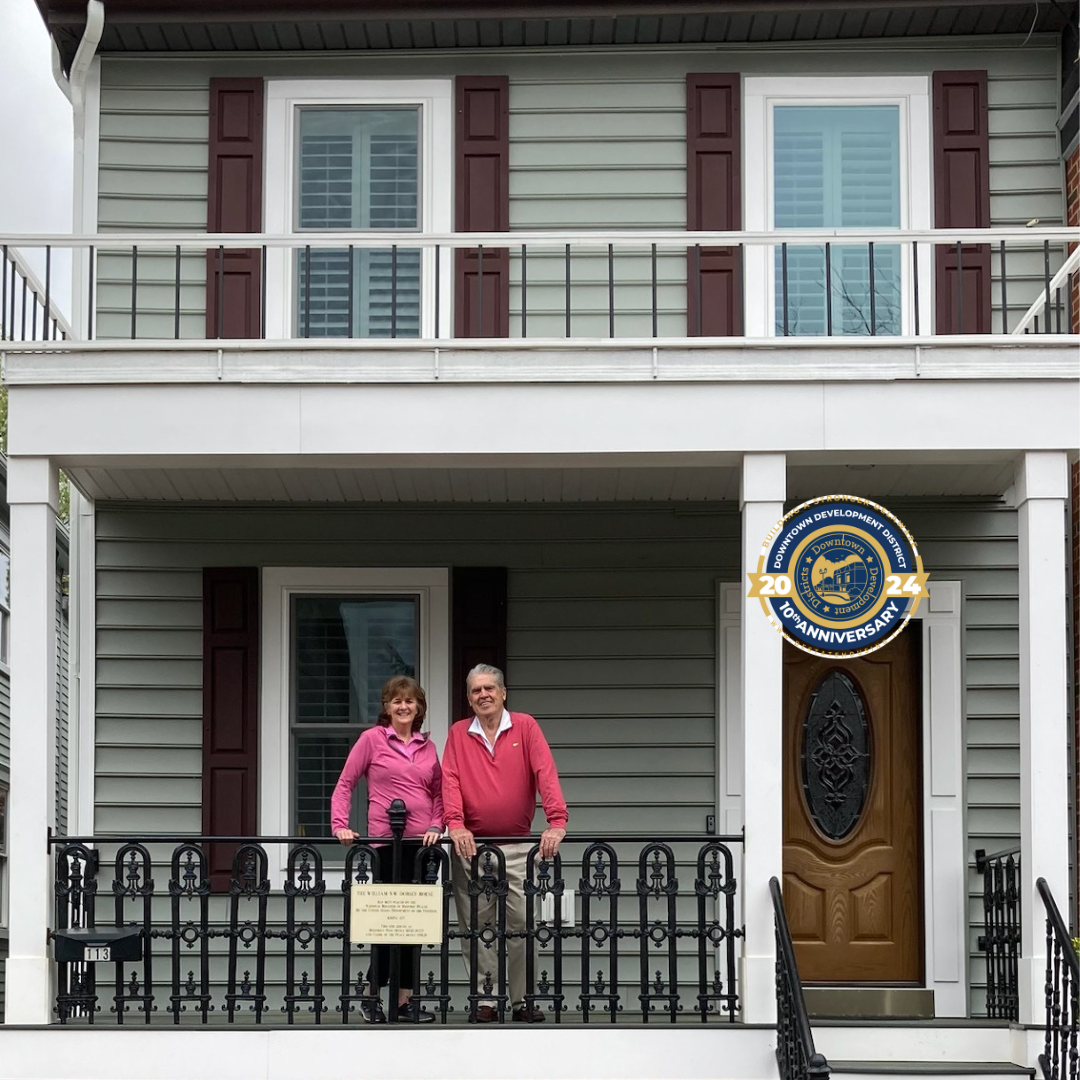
(272, 947)
(796, 1055)
(1060, 1059)
(1000, 940)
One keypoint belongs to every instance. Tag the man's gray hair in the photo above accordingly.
(486, 669)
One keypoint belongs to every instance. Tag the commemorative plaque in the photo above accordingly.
(396, 914)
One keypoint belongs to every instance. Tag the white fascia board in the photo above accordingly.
(490, 424)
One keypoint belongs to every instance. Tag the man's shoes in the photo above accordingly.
(487, 1014)
(525, 1015)
(411, 1013)
(372, 1012)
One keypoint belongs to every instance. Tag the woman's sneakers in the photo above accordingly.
(411, 1013)
(372, 1011)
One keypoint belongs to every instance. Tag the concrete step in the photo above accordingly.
(917, 1070)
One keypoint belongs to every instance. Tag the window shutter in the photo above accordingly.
(230, 710)
(961, 200)
(714, 202)
(234, 205)
(478, 626)
(482, 204)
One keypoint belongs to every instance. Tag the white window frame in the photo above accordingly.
(431, 586)
(284, 97)
(761, 95)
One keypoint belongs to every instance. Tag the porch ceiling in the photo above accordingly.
(135, 26)
(883, 480)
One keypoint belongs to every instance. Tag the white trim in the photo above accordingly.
(434, 96)
(943, 827)
(82, 657)
(279, 584)
(761, 94)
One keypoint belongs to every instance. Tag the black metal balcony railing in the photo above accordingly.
(660, 946)
(796, 1055)
(647, 285)
(28, 309)
(1000, 940)
(1060, 1059)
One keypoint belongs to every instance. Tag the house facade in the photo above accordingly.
(410, 338)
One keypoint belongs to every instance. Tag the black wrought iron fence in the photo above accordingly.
(631, 928)
(1060, 1059)
(796, 1055)
(1000, 939)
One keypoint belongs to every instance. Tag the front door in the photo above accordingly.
(852, 821)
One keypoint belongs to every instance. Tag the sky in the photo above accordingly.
(35, 136)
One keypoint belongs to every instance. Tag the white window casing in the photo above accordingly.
(284, 98)
(761, 95)
(431, 586)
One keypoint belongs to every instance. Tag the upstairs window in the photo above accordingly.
(357, 157)
(837, 166)
(358, 169)
(836, 154)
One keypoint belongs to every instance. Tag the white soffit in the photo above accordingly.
(880, 481)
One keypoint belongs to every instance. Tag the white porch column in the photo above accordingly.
(32, 494)
(764, 485)
(1042, 487)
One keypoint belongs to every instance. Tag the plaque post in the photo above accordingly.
(397, 815)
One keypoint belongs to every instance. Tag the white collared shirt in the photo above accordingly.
(476, 728)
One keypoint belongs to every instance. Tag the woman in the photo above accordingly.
(399, 763)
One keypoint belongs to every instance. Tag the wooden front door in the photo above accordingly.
(852, 820)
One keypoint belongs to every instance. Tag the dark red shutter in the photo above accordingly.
(482, 204)
(234, 205)
(961, 200)
(230, 710)
(714, 202)
(478, 627)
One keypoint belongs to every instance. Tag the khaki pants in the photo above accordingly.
(487, 956)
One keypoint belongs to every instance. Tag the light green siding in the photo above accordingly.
(611, 633)
(610, 637)
(5, 725)
(596, 141)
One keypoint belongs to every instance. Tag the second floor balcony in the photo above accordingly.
(550, 306)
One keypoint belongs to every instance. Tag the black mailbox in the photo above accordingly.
(97, 944)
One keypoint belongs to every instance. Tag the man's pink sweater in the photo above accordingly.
(495, 794)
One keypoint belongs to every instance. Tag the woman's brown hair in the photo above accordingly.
(404, 687)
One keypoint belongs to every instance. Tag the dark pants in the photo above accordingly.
(410, 954)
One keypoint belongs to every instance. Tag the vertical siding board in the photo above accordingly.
(230, 709)
(234, 205)
(714, 202)
(478, 626)
(482, 204)
(961, 199)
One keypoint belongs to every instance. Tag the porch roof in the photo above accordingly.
(137, 26)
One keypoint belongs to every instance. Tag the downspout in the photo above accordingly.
(80, 68)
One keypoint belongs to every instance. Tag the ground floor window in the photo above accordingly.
(331, 637)
(344, 648)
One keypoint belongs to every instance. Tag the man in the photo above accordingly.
(493, 766)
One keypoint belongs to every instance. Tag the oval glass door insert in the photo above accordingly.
(836, 756)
